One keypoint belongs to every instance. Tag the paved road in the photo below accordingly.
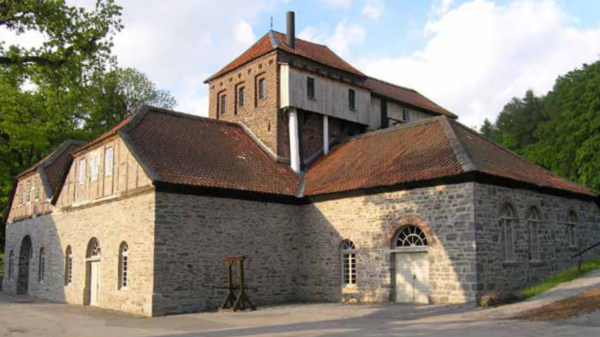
(22, 316)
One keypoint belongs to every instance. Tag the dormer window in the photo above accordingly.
(310, 87)
(352, 99)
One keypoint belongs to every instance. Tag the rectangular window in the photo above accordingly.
(36, 189)
(509, 240)
(352, 99)
(241, 96)
(94, 165)
(222, 104)
(405, 115)
(262, 90)
(349, 269)
(20, 192)
(81, 172)
(28, 191)
(310, 87)
(109, 155)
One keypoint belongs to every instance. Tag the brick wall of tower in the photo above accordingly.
(259, 115)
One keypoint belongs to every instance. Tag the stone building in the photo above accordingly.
(334, 185)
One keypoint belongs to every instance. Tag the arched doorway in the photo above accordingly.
(410, 248)
(25, 256)
(93, 257)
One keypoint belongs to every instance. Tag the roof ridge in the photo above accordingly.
(393, 84)
(303, 40)
(190, 116)
(461, 154)
(518, 156)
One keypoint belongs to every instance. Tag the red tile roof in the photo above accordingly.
(414, 152)
(405, 95)
(275, 40)
(54, 166)
(433, 148)
(194, 151)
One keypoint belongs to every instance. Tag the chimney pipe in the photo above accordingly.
(291, 30)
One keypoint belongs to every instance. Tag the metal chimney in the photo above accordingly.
(291, 30)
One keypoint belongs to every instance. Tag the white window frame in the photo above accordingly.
(349, 275)
(124, 266)
(81, 171)
(36, 189)
(28, 191)
(94, 165)
(109, 161)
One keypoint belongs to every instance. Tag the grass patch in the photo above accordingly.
(566, 276)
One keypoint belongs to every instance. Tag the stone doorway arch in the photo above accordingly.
(25, 256)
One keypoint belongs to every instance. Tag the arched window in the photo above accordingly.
(68, 266)
(534, 241)
(11, 264)
(123, 266)
(42, 266)
(507, 222)
(571, 223)
(348, 263)
(411, 236)
(94, 250)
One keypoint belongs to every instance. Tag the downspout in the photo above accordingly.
(294, 140)
(325, 134)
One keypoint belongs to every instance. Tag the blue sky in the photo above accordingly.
(470, 56)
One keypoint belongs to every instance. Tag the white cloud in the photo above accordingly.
(343, 36)
(243, 35)
(480, 55)
(441, 7)
(373, 8)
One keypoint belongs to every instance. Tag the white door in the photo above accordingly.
(94, 282)
(412, 278)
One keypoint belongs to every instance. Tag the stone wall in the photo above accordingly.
(502, 278)
(129, 219)
(371, 222)
(195, 234)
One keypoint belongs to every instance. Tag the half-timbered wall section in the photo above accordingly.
(30, 198)
(105, 171)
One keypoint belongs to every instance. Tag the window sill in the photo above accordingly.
(349, 289)
(311, 98)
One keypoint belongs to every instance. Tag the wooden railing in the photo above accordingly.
(580, 255)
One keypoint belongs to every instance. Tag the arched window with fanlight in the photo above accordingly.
(348, 263)
(411, 237)
(68, 266)
(534, 241)
(123, 266)
(507, 223)
(571, 223)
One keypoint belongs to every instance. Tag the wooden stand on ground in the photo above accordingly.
(239, 301)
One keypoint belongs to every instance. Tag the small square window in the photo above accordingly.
(310, 87)
(352, 99)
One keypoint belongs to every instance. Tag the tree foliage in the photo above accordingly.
(560, 131)
(67, 87)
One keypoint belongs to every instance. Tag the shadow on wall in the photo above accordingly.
(373, 222)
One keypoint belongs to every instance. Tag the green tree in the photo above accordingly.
(569, 142)
(119, 93)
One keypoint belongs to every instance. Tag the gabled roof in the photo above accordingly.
(54, 166)
(432, 149)
(274, 40)
(405, 95)
(185, 150)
